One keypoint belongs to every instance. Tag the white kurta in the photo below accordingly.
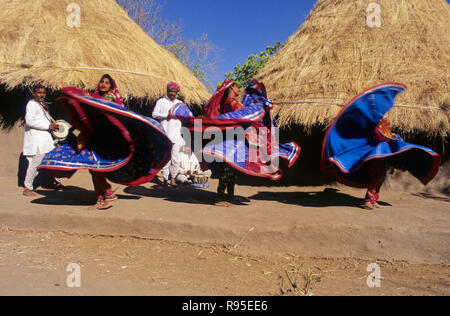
(189, 164)
(37, 139)
(171, 126)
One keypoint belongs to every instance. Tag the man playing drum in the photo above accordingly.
(38, 140)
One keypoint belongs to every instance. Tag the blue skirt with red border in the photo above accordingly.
(128, 148)
(254, 149)
(349, 145)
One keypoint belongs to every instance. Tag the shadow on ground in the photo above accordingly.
(426, 195)
(73, 196)
(327, 198)
(179, 194)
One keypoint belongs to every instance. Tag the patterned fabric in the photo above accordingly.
(351, 143)
(128, 148)
(255, 150)
(231, 105)
(110, 96)
(213, 107)
(372, 196)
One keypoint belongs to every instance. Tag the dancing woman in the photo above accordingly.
(224, 101)
(254, 147)
(114, 144)
(107, 89)
(359, 147)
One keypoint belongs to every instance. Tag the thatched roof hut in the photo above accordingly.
(37, 45)
(340, 51)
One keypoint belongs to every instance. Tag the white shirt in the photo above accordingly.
(37, 139)
(171, 126)
(188, 164)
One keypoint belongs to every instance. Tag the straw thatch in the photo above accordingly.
(37, 46)
(335, 55)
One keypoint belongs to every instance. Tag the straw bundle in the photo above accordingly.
(336, 55)
(38, 46)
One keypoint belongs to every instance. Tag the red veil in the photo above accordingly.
(212, 108)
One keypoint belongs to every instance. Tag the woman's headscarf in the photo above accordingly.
(113, 90)
(212, 108)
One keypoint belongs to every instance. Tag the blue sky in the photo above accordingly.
(238, 28)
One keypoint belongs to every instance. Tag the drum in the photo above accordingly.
(63, 130)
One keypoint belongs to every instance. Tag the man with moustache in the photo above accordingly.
(37, 140)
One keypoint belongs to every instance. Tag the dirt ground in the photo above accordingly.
(281, 241)
(36, 263)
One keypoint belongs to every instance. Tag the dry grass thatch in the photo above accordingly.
(37, 46)
(335, 55)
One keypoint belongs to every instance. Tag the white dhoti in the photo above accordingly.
(173, 166)
(182, 178)
(172, 127)
(33, 164)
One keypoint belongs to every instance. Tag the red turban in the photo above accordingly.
(173, 87)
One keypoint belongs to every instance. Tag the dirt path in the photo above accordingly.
(36, 263)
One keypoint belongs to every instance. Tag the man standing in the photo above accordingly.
(172, 127)
(37, 140)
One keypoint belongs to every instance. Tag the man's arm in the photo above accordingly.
(157, 112)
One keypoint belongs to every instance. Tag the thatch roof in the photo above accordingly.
(37, 46)
(335, 56)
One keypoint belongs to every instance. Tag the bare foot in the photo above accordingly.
(222, 204)
(376, 205)
(100, 205)
(28, 193)
(369, 206)
(95, 207)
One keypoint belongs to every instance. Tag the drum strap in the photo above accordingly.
(46, 113)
